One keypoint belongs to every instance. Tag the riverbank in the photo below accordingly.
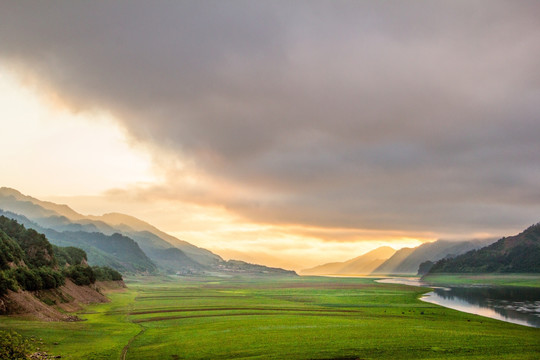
(529, 280)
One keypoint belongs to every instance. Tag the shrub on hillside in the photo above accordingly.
(36, 279)
(38, 251)
(6, 283)
(10, 251)
(104, 273)
(80, 275)
(50, 278)
(26, 278)
(69, 255)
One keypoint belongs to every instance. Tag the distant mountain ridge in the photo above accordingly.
(363, 264)
(389, 266)
(405, 261)
(120, 241)
(514, 254)
(116, 251)
(408, 260)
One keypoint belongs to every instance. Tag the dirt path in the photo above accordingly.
(126, 348)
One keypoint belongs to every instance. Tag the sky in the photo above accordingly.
(284, 133)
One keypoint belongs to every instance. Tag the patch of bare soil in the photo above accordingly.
(26, 304)
(79, 295)
(50, 305)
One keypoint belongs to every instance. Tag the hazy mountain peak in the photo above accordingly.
(59, 209)
(363, 264)
(61, 218)
(115, 218)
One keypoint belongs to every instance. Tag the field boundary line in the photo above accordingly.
(126, 348)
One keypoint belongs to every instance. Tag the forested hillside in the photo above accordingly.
(514, 254)
(29, 262)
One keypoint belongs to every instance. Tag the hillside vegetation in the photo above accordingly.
(514, 254)
(29, 262)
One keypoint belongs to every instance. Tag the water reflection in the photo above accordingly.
(518, 305)
(412, 281)
(511, 304)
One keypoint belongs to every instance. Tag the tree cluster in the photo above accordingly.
(104, 273)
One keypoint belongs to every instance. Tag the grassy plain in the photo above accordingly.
(529, 280)
(289, 318)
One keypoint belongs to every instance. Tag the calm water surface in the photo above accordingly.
(518, 305)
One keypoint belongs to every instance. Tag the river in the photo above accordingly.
(518, 305)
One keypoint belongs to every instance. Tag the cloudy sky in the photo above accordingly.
(284, 132)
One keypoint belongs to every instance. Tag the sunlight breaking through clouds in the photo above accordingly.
(48, 149)
(304, 117)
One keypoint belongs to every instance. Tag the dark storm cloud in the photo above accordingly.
(399, 115)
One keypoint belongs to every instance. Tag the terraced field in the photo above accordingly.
(289, 318)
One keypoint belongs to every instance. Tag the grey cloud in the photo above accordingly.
(419, 116)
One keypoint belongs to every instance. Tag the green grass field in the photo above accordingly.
(529, 280)
(294, 318)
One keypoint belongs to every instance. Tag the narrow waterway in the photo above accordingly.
(518, 305)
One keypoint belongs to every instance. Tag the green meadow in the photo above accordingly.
(287, 318)
(500, 279)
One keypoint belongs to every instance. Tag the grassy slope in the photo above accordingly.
(300, 318)
(532, 280)
(102, 336)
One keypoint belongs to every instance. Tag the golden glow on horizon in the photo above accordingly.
(50, 152)
(216, 229)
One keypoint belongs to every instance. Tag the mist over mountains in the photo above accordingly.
(120, 241)
(363, 264)
(385, 260)
(513, 254)
(131, 245)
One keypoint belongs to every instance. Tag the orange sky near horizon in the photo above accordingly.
(76, 158)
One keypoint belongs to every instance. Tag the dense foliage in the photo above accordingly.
(36, 279)
(515, 254)
(37, 249)
(10, 251)
(80, 274)
(6, 283)
(69, 255)
(104, 273)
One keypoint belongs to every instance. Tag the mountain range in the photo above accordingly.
(385, 260)
(363, 264)
(408, 260)
(120, 241)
